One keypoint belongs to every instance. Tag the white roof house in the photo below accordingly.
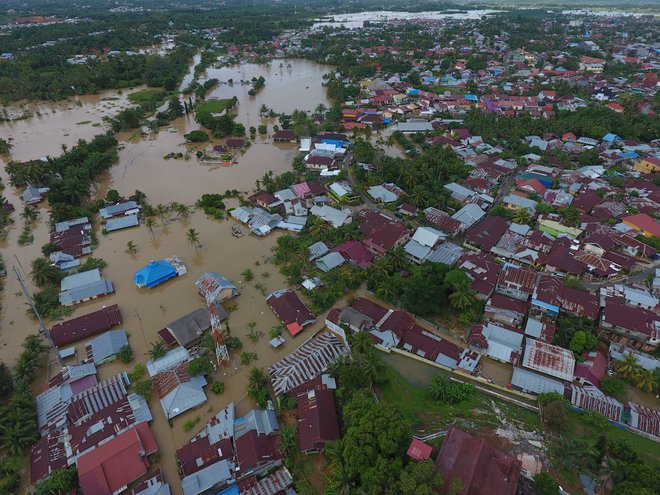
(333, 216)
(549, 359)
(330, 261)
(469, 215)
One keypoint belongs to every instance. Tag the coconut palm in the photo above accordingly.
(419, 196)
(334, 453)
(30, 214)
(43, 273)
(157, 350)
(287, 436)
(388, 289)
(340, 482)
(521, 215)
(150, 224)
(397, 258)
(161, 211)
(316, 227)
(335, 367)
(182, 211)
(379, 269)
(629, 366)
(131, 247)
(645, 380)
(320, 109)
(361, 342)
(257, 378)
(193, 237)
(461, 299)
(372, 367)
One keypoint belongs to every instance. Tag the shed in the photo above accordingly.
(419, 450)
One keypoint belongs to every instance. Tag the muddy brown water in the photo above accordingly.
(141, 166)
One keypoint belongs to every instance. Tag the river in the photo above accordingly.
(296, 84)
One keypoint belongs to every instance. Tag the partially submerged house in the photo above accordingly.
(157, 272)
(83, 287)
(105, 347)
(177, 390)
(190, 328)
(214, 287)
(85, 326)
(290, 310)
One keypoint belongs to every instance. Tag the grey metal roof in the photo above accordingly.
(416, 250)
(88, 291)
(184, 397)
(533, 327)
(190, 327)
(112, 210)
(67, 224)
(140, 408)
(317, 249)
(80, 279)
(330, 261)
(520, 202)
(172, 358)
(428, 236)
(106, 345)
(535, 383)
(469, 215)
(263, 421)
(447, 253)
(205, 479)
(414, 127)
(122, 223)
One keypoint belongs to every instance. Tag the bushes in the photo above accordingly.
(613, 386)
(217, 387)
(233, 343)
(125, 354)
(444, 390)
(200, 366)
(143, 388)
(545, 484)
(212, 205)
(196, 137)
(190, 424)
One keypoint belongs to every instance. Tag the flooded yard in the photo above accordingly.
(294, 85)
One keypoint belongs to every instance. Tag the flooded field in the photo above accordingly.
(356, 19)
(294, 85)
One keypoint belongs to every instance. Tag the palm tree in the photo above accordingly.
(263, 110)
(334, 453)
(418, 196)
(316, 227)
(150, 224)
(380, 269)
(287, 436)
(157, 350)
(335, 366)
(629, 366)
(373, 367)
(461, 299)
(193, 237)
(645, 381)
(30, 214)
(182, 211)
(340, 481)
(131, 247)
(257, 378)
(521, 215)
(361, 342)
(43, 273)
(320, 109)
(388, 289)
(161, 210)
(397, 258)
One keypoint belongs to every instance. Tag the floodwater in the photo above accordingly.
(356, 19)
(142, 166)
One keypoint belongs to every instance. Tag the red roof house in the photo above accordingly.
(592, 369)
(317, 420)
(419, 450)
(112, 466)
(483, 469)
(85, 326)
(290, 310)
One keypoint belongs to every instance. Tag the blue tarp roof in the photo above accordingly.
(232, 490)
(549, 307)
(336, 142)
(609, 137)
(156, 272)
(470, 97)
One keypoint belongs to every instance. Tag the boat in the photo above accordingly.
(236, 232)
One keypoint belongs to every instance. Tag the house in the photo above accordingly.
(485, 234)
(590, 369)
(120, 209)
(157, 272)
(534, 383)
(290, 310)
(423, 241)
(647, 165)
(549, 359)
(335, 217)
(514, 202)
(190, 328)
(482, 468)
(214, 287)
(284, 136)
(469, 215)
(418, 450)
(592, 399)
(636, 323)
(177, 390)
(317, 420)
(543, 329)
(105, 347)
(34, 195)
(265, 200)
(643, 222)
(235, 143)
(498, 342)
(355, 253)
(317, 250)
(255, 443)
(85, 326)
(516, 282)
(109, 468)
(441, 220)
(83, 287)
(330, 261)
(506, 310)
(386, 193)
(645, 419)
(306, 363)
(155, 485)
(482, 270)
(382, 233)
(121, 223)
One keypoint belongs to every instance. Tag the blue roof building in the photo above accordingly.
(156, 272)
(610, 138)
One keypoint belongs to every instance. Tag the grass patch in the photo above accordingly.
(647, 449)
(212, 106)
(147, 97)
(84, 122)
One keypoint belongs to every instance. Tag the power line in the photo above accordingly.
(42, 325)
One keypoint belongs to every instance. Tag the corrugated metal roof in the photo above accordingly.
(122, 223)
(549, 359)
(106, 345)
(428, 236)
(533, 382)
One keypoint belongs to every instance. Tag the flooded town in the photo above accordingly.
(313, 250)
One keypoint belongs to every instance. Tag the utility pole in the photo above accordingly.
(42, 325)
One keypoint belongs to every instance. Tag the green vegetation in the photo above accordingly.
(248, 357)
(204, 110)
(190, 424)
(125, 354)
(137, 373)
(545, 484)
(59, 483)
(223, 125)
(217, 387)
(196, 137)
(212, 205)
(444, 390)
(200, 366)
(258, 386)
(143, 388)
